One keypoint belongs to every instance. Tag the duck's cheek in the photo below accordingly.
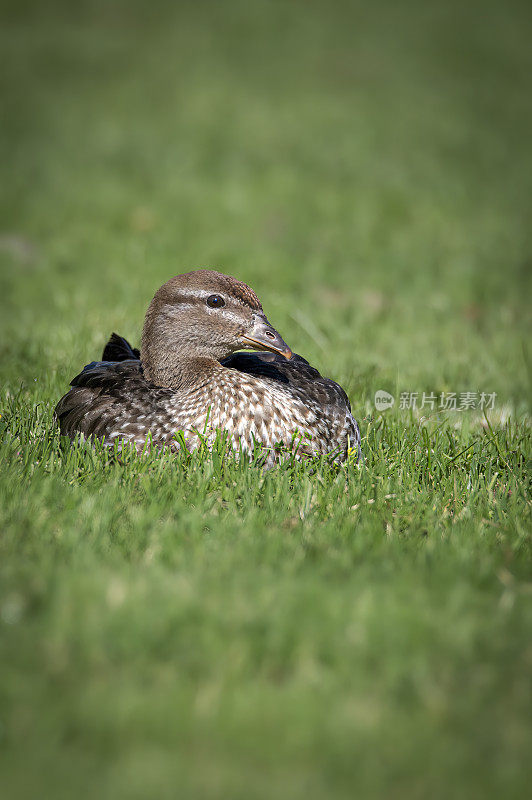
(240, 333)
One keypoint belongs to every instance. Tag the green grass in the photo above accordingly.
(175, 627)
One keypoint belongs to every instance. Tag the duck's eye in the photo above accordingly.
(215, 301)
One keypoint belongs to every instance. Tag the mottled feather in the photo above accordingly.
(258, 398)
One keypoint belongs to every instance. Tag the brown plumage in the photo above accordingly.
(189, 378)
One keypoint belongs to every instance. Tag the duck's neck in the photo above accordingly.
(180, 373)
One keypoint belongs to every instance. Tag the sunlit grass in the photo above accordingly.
(192, 625)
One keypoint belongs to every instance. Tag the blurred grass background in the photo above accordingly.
(367, 168)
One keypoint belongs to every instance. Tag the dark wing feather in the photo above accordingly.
(119, 349)
(90, 406)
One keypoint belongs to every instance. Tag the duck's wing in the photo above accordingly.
(302, 380)
(110, 399)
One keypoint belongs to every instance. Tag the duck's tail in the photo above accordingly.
(119, 349)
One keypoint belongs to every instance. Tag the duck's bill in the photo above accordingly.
(264, 337)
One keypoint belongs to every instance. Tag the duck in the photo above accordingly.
(191, 381)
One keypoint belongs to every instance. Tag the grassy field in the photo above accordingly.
(195, 628)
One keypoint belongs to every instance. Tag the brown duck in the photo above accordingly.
(188, 377)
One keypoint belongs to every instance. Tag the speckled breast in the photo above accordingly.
(250, 412)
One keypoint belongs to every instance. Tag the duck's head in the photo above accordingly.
(203, 316)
